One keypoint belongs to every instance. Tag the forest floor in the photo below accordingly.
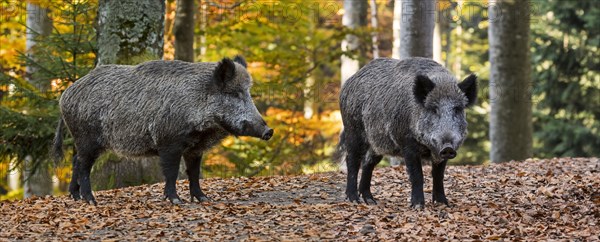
(532, 200)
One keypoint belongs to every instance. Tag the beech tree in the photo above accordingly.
(510, 81)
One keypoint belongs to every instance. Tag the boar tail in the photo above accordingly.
(57, 149)
(340, 150)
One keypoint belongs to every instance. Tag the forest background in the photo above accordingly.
(295, 57)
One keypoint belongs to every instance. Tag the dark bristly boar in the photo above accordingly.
(414, 109)
(168, 109)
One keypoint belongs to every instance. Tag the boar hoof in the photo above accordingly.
(75, 196)
(417, 203)
(90, 200)
(200, 199)
(440, 200)
(418, 206)
(369, 199)
(353, 198)
(176, 201)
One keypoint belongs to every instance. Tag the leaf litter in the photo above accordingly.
(531, 200)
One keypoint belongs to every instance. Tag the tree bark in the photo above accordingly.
(355, 16)
(184, 30)
(416, 28)
(374, 37)
(129, 32)
(510, 83)
(36, 175)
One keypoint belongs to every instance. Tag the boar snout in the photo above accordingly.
(256, 129)
(448, 152)
(268, 134)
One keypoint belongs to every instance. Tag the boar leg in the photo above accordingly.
(86, 159)
(437, 173)
(364, 188)
(355, 154)
(169, 161)
(193, 161)
(74, 185)
(412, 159)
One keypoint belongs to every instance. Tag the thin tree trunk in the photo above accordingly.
(437, 43)
(355, 16)
(38, 181)
(510, 83)
(309, 103)
(448, 37)
(184, 30)
(457, 66)
(397, 21)
(14, 177)
(309, 90)
(202, 38)
(374, 34)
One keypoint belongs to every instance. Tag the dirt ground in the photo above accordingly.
(531, 200)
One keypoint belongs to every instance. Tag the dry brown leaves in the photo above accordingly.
(533, 200)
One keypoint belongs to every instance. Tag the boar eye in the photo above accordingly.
(235, 94)
(434, 110)
(458, 109)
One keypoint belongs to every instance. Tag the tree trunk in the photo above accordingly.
(309, 109)
(437, 43)
(510, 84)
(184, 30)
(374, 34)
(416, 28)
(355, 16)
(457, 65)
(309, 84)
(201, 40)
(14, 177)
(397, 20)
(129, 32)
(413, 33)
(36, 175)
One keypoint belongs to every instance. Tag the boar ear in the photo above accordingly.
(423, 85)
(469, 87)
(240, 60)
(225, 71)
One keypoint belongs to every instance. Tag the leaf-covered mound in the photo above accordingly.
(532, 200)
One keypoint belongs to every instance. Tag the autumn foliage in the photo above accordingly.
(534, 200)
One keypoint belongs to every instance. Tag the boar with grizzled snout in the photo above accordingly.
(168, 109)
(414, 109)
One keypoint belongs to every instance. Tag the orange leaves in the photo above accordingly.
(535, 200)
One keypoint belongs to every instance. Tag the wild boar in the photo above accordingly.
(168, 109)
(415, 109)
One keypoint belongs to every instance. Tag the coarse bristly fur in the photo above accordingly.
(413, 109)
(158, 108)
